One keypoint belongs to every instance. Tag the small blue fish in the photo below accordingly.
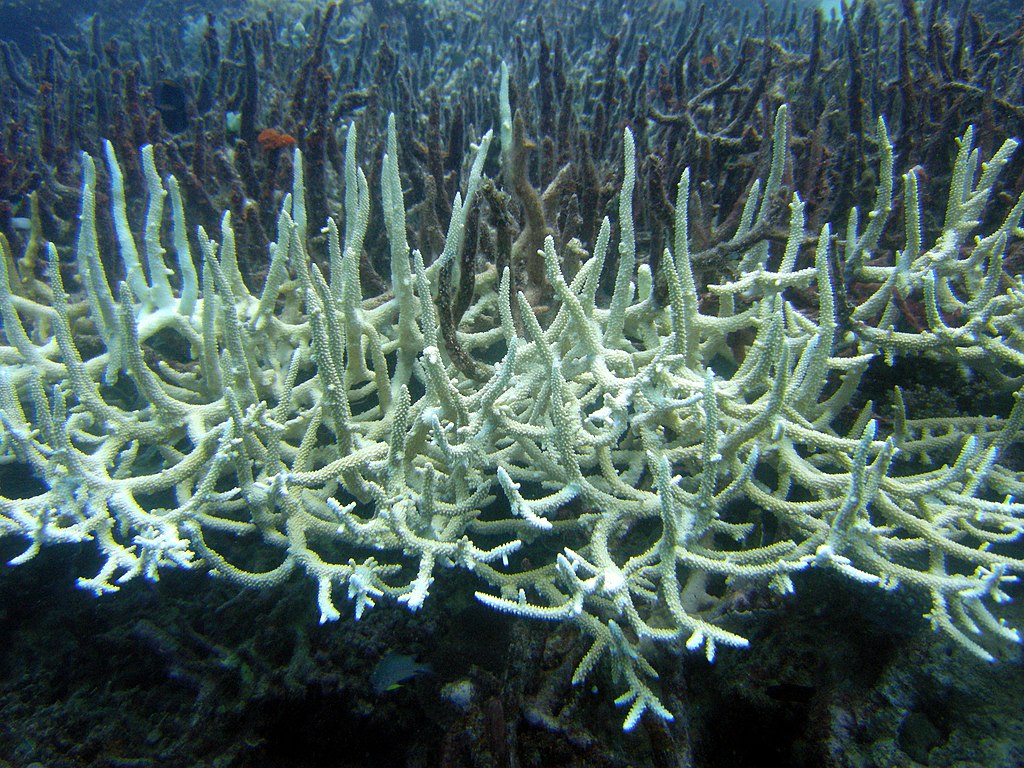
(394, 669)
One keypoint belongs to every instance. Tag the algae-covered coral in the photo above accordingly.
(615, 422)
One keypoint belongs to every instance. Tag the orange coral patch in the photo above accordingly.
(271, 139)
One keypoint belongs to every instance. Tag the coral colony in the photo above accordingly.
(604, 430)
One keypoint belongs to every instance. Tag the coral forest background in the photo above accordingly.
(188, 671)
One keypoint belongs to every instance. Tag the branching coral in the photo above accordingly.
(305, 429)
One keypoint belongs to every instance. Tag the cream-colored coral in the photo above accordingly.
(336, 435)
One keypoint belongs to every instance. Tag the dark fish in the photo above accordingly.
(394, 669)
(172, 103)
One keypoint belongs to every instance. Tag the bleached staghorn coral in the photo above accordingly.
(218, 427)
